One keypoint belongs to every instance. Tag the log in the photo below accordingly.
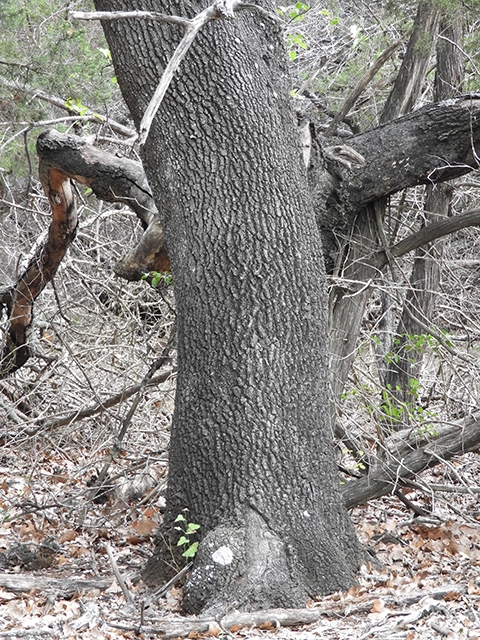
(66, 588)
(409, 457)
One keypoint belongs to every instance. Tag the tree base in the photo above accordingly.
(247, 569)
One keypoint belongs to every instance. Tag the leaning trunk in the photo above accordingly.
(250, 453)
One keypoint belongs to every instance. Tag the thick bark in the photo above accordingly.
(250, 454)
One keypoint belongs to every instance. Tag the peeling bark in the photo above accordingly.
(64, 158)
(113, 179)
(20, 298)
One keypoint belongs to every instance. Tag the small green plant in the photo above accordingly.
(295, 40)
(188, 530)
(76, 106)
(157, 277)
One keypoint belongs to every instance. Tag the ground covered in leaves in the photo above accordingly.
(59, 551)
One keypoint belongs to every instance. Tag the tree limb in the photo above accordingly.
(63, 158)
(433, 144)
(430, 233)
(408, 458)
(61, 104)
(19, 299)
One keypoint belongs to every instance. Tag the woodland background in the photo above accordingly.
(96, 335)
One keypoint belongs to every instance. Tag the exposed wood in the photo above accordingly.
(410, 458)
(113, 179)
(19, 299)
(64, 158)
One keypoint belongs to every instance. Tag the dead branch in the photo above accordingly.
(409, 457)
(63, 158)
(113, 179)
(275, 618)
(362, 85)
(19, 299)
(23, 583)
(80, 414)
(61, 103)
(431, 232)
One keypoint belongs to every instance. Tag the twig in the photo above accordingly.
(117, 574)
(219, 9)
(115, 450)
(158, 593)
(409, 504)
(98, 407)
(362, 84)
(454, 471)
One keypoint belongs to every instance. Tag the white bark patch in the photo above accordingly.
(223, 555)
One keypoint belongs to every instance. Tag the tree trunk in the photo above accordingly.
(404, 363)
(250, 453)
(347, 311)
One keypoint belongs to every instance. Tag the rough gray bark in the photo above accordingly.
(250, 454)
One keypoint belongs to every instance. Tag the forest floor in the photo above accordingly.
(58, 559)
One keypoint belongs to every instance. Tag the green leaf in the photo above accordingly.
(183, 540)
(191, 551)
(192, 527)
(180, 518)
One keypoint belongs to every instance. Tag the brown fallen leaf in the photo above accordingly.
(145, 526)
(67, 536)
(452, 596)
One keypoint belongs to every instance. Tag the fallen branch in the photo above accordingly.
(22, 583)
(111, 179)
(117, 574)
(409, 459)
(275, 618)
(75, 416)
(64, 158)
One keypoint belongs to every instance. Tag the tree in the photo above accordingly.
(251, 419)
(250, 456)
